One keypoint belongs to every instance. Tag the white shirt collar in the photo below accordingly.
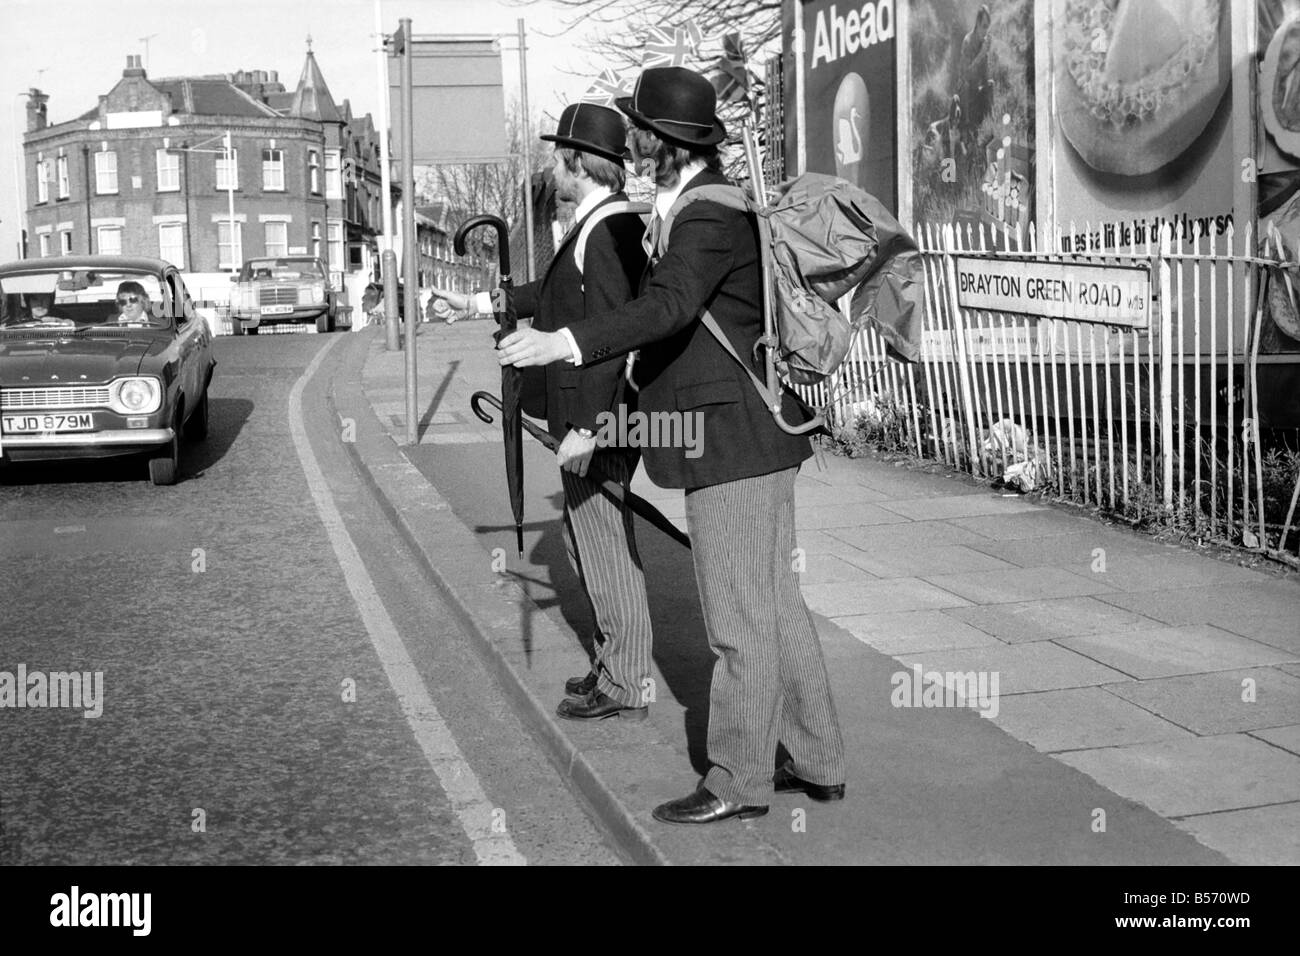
(664, 198)
(591, 201)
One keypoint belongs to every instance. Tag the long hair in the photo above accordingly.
(670, 159)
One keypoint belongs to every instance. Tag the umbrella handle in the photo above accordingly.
(477, 399)
(503, 238)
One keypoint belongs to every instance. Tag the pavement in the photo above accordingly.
(1138, 702)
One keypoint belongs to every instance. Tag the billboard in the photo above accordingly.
(849, 92)
(1278, 138)
(457, 99)
(1141, 135)
(972, 112)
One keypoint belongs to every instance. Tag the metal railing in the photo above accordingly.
(1157, 423)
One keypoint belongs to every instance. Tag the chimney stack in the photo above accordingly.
(36, 119)
(134, 65)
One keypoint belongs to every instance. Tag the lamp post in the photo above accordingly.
(226, 152)
(19, 184)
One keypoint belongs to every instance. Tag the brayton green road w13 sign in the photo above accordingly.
(1108, 295)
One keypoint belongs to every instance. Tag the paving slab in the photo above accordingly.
(1198, 605)
(925, 560)
(1213, 703)
(900, 594)
(1168, 651)
(1154, 571)
(1288, 738)
(1021, 668)
(1200, 775)
(1074, 550)
(1278, 627)
(1261, 836)
(843, 516)
(823, 568)
(960, 506)
(909, 534)
(900, 632)
(1017, 584)
(1079, 719)
(1025, 621)
(1032, 524)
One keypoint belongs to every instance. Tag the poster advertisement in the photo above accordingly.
(1278, 65)
(850, 90)
(1141, 115)
(972, 112)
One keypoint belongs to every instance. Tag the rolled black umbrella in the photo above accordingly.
(613, 489)
(503, 308)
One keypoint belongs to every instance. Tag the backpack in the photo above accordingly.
(822, 239)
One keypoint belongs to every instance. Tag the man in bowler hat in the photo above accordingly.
(769, 681)
(589, 154)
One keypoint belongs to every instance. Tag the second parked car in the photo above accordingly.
(282, 290)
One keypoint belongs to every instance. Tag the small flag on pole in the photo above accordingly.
(666, 47)
(605, 88)
(731, 76)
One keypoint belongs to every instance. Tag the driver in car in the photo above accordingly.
(132, 304)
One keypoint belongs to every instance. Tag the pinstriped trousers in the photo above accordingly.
(769, 681)
(601, 542)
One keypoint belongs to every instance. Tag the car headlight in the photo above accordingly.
(135, 396)
(310, 295)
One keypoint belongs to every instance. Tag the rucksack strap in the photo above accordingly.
(733, 197)
(772, 402)
(599, 215)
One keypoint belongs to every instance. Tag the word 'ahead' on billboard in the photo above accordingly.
(849, 94)
(457, 99)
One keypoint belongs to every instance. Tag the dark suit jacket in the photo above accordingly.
(712, 261)
(613, 261)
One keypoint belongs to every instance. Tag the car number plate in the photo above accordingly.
(53, 422)
(276, 309)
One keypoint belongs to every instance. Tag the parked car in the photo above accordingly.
(279, 290)
(101, 356)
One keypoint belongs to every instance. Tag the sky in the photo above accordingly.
(75, 50)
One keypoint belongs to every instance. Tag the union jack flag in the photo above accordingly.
(605, 88)
(666, 47)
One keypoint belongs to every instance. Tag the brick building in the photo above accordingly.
(143, 173)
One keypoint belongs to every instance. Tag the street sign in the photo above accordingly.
(457, 98)
(1082, 292)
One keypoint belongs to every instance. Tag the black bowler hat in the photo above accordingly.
(592, 129)
(677, 104)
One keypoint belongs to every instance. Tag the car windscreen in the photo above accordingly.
(82, 298)
(283, 270)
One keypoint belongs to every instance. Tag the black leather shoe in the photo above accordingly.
(580, 686)
(703, 807)
(598, 706)
(787, 782)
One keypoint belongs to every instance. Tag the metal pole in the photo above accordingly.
(230, 200)
(388, 260)
(409, 250)
(528, 154)
(19, 184)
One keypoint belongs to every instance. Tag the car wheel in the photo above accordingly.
(197, 427)
(252, 331)
(236, 327)
(323, 323)
(164, 469)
